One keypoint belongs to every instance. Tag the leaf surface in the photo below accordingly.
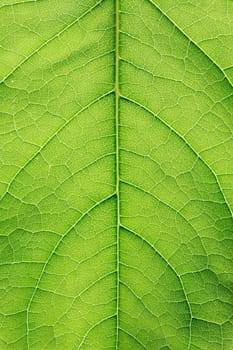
(116, 175)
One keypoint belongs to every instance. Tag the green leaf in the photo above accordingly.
(116, 175)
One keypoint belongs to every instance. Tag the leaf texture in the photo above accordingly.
(116, 175)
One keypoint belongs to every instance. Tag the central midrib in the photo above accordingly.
(117, 96)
